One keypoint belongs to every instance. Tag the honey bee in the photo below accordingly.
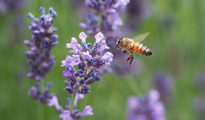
(130, 46)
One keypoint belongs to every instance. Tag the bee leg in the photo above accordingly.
(128, 58)
(124, 51)
(131, 59)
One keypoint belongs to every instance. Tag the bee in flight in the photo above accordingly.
(130, 46)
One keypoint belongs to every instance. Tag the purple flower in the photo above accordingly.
(53, 101)
(108, 11)
(91, 25)
(88, 60)
(91, 60)
(80, 7)
(75, 114)
(146, 108)
(39, 59)
(164, 84)
(43, 96)
(43, 40)
(122, 3)
(88, 111)
(78, 97)
(136, 12)
(199, 107)
(200, 80)
(65, 115)
(11, 5)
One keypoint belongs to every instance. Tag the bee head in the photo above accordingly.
(119, 41)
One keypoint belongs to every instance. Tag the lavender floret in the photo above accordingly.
(146, 108)
(89, 62)
(43, 96)
(43, 40)
(71, 112)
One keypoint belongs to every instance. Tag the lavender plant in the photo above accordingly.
(90, 61)
(164, 84)
(146, 108)
(70, 112)
(82, 68)
(43, 40)
(40, 63)
(39, 59)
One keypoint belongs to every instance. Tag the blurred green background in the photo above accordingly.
(178, 49)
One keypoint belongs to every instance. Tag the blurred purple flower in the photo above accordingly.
(108, 11)
(164, 84)
(87, 111)
(66, 115)
(199, 107)
(166, 22)
(80, 7)
(71, 113)
(43, 40)
(43, 96)
(146, 108)
(200, 80)
(136, 12)
(11, 5)
(89, 60)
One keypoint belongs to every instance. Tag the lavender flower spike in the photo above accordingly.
(75, 114)
(43, 40)
(108, 11)
(146, 108)
(90, 61)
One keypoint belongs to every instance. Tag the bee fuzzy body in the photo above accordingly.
(133, 46)
(142, 49)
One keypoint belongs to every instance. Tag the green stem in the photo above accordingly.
(72, 101)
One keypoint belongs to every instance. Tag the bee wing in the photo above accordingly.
(140, 37)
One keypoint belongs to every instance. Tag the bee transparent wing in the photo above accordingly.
(140, 37)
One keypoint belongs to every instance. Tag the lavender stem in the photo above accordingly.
(72, 102)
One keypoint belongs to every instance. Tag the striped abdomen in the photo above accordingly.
(142, 49)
